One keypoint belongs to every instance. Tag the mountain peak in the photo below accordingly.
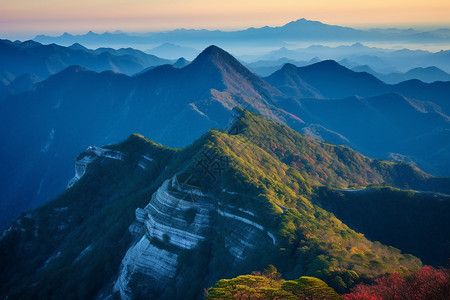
(357, 45)
(30, 44)
(329, 63)
(78, 46)
(289, 66)
(217, 58)
(213, 52)
(181, 62)
(302, 22)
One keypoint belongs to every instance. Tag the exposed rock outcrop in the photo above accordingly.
(178, 219)
(89, 156)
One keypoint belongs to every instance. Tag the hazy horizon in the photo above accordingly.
(29, 18)
(55, 33)
(432, 47)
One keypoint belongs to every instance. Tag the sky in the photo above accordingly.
(30, 17)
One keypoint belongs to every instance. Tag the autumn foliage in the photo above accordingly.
(426, 284)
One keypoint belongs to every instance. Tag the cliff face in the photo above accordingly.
(176, 219)
(85, 229)
(89, 156)
(167, 225)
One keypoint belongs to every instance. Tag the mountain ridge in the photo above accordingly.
(311, 30)
(106, 107)
(244, 208)
(44, 60)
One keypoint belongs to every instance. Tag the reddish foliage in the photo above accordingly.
(427, 283)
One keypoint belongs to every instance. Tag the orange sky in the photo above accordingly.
(56, 16)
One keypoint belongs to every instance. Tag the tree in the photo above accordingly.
(310, 288)
(426, 284)
(271, 286)
(271, 272)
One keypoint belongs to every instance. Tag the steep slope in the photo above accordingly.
(48, 125)
(10, 84)
(23, 83)
(228, 204)
(181, 63)
(331, 80)
(384, 124)
(328, 164)
(289, 81)
(436, 92)
(408, 120)
(83, 232)
(408, 220)
(75, 108)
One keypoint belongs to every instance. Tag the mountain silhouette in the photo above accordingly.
(332, 80)
(45, 60)
(300, 30)
(181, 62)
(428, 75)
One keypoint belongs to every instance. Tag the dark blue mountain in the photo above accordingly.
(171, 51)
(428, 75)
(77, 107)
(332, 80)
(299, 30)
(379, 125)
(44, 60)
(181, 63)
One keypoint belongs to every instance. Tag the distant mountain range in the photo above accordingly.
(77, 107)
(171, 51)
(43, 60)
(141, 220)
(379, 59)
(296, 31)
(47, 126)
(372, 115)
(283, 42)
(23, 64)
(429, 74)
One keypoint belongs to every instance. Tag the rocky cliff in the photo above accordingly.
(178, 218)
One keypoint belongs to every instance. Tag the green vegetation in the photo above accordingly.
(416, 222)
(270, 285)
(316, 242)
(326, 164)
(286, 180)
(74, 245)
